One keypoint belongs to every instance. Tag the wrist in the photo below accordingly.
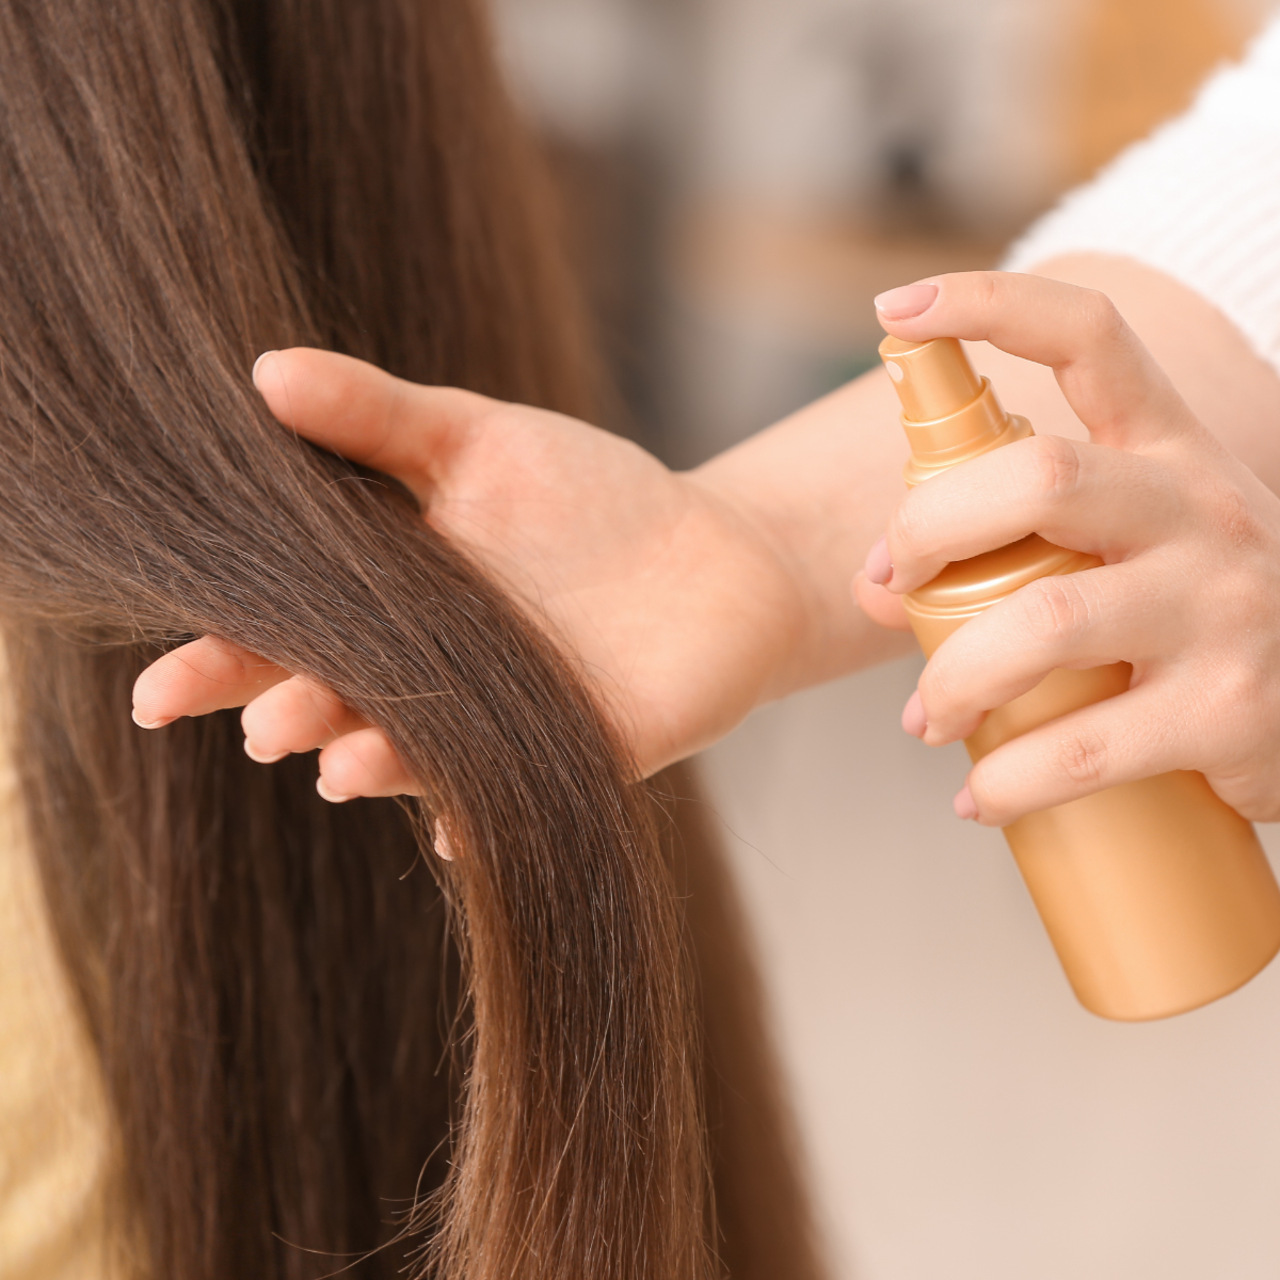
(818, 488)
(768, 568)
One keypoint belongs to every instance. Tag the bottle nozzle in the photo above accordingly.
(932, 379)
(949, 413)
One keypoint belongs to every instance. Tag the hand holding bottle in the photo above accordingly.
(1189, 592)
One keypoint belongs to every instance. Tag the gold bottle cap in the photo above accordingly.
(949, 413)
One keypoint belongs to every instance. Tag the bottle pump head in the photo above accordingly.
(949, 413)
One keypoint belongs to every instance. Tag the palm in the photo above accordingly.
(639, 572)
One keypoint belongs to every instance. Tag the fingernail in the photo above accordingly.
(326, 794)
(150, 724)
(261, 756)
(257, 364)
(443, 846)
(913, 717)
(878, 567)
(964, 805)
(907, 301)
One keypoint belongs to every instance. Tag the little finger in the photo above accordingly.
(1131, 736)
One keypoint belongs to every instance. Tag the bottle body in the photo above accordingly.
(1156, 894)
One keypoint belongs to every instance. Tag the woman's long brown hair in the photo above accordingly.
(320, 1052)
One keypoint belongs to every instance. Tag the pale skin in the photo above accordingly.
(689, 599)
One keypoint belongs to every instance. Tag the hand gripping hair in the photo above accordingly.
(305, 1036)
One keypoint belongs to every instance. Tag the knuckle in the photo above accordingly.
(1234, 689)
(988, 287)
(1056, 463)
(1235, 521)
(1082, 757)
(1101, 318)
(1057, 608)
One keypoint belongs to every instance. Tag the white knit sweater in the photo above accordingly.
(1198, 200)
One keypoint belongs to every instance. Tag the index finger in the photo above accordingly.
(209, 674)
(366, 415)
(1109, 378)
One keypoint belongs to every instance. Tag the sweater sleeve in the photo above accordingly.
(1198, 200)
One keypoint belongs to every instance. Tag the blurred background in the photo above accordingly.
(741, 177)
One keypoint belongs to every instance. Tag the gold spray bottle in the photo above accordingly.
(1156, 894)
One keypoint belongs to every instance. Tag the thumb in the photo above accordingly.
(367, 416)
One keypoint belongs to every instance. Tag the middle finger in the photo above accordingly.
(296, 715)
(1083, 496)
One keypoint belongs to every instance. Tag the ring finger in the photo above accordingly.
(1077, 620)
